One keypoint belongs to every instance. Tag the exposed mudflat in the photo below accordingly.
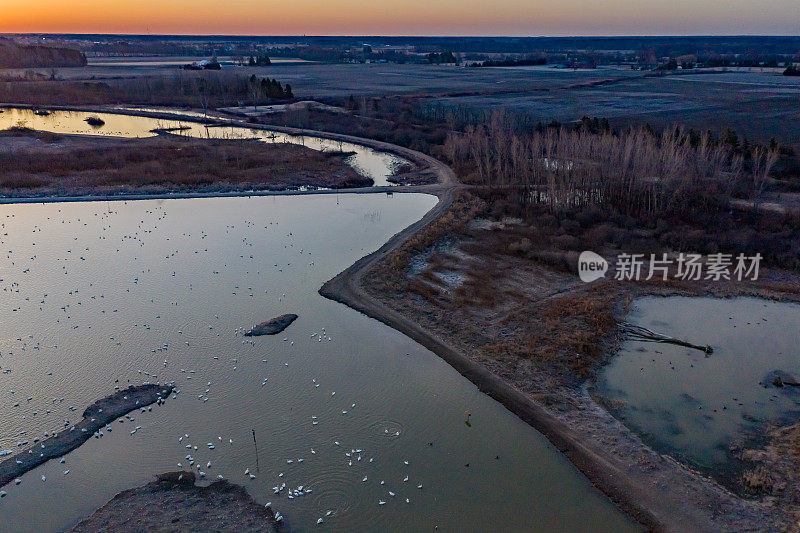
(97, 415)
(272, 327)
(174, 503)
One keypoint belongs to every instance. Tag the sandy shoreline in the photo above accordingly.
(95, 417)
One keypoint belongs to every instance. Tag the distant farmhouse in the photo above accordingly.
(206, 64)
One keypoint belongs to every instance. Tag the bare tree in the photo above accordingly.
(635, 172)
(763, 160)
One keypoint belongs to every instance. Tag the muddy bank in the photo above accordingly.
(772, 468)
(272, 327)
(95, 417)
(174, 503)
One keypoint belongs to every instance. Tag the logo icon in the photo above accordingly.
(591, 266)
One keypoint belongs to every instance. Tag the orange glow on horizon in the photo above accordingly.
(409, 17)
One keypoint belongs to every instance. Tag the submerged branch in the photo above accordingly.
(640, 333)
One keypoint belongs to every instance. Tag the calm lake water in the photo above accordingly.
(374, 164)
(695, 405)
(95, 293)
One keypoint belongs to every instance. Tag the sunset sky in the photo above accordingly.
(406, 17)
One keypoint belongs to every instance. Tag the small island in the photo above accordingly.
(95, 121)
(174, 503)
(95, 417)
(272, 327)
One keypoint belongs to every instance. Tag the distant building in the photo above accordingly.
(203, 65)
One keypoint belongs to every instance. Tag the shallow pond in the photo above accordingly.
(100, 294)
(695, 405)
(374, 164)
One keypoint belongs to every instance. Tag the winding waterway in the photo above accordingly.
(377, 165)
(100, 294)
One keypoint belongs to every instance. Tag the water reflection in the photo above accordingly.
(697, 405)
(376, 165)
(160, 290)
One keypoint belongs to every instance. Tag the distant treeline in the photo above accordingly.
(513, 62)
(791, 70)
(650, 51)
(646, 51)
(13, 55)
(441, 57)
(743, 62)
(664, 46)
(204, 89)
(269, 88)
(261, 60)
(207, 65)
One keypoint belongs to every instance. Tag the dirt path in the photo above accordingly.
(656, 490)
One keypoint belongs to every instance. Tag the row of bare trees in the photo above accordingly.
(636, 172)
(197, 88)
(183, 88)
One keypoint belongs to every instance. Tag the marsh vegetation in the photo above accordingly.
(77, 167)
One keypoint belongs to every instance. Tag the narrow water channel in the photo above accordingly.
(374, 164)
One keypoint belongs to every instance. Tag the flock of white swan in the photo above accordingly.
(200, 457)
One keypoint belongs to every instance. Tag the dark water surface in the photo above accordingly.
(163, 290)
(696, 405)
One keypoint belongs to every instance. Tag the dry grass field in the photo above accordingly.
(759, 103)
(39, 164)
